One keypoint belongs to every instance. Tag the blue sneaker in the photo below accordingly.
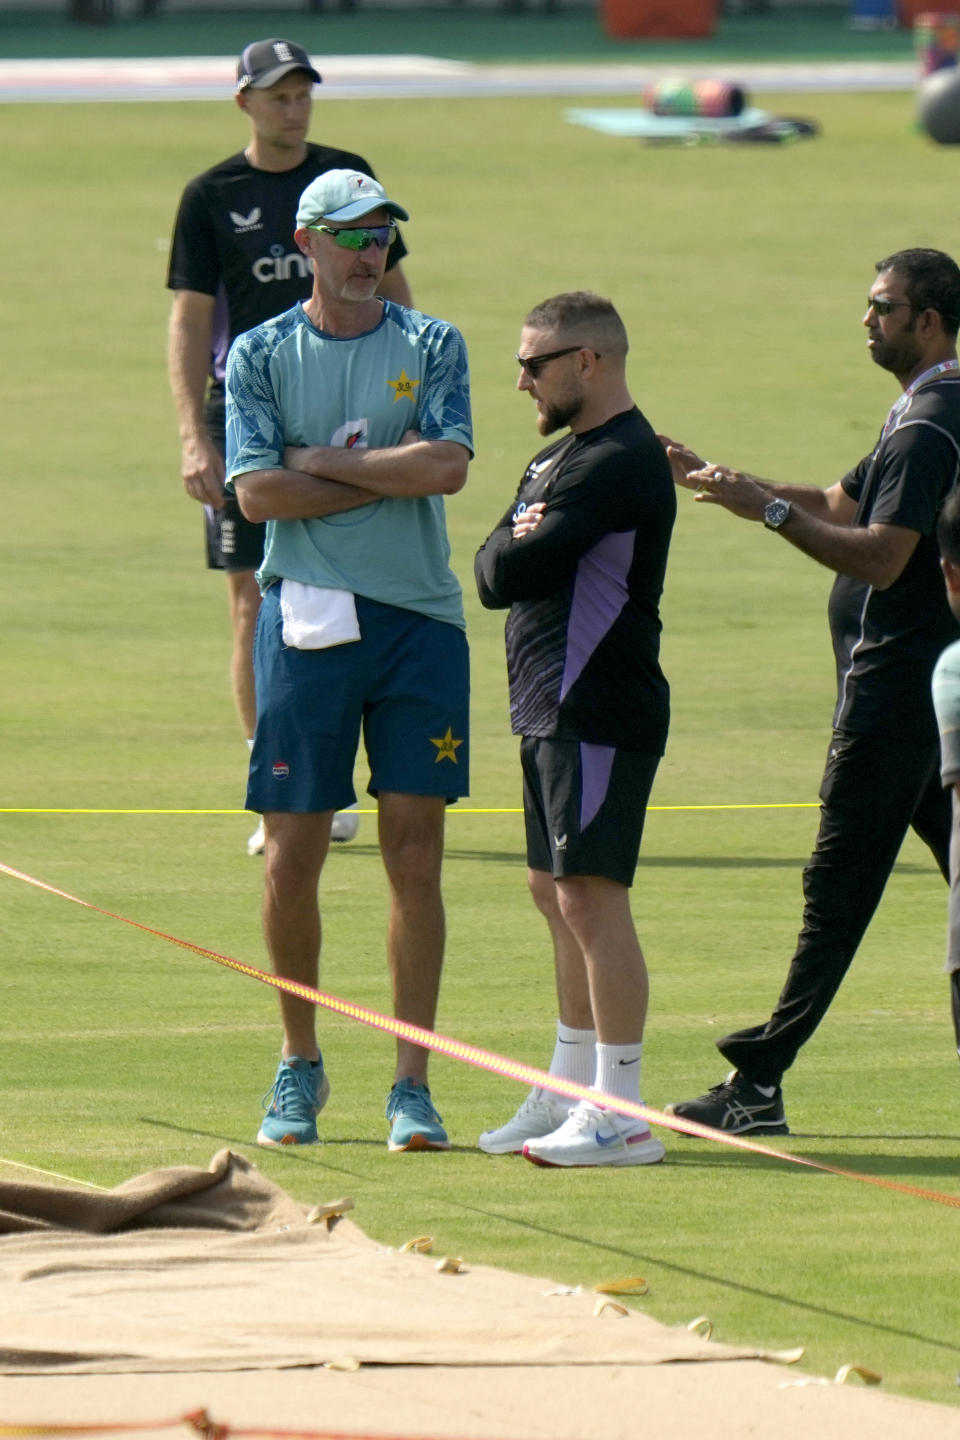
(415, 1125)
(296, 1098)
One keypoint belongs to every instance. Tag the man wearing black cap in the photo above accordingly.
(233, 265)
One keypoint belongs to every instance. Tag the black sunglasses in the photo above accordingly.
(533, 364)
(886, 307)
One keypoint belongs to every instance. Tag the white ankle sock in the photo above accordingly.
(618, 1070)
(574, 1058)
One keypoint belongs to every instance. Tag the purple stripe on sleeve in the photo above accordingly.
(599, 595)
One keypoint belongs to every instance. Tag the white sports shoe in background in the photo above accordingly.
(540, 1114)
(592, 1136)
(345, 825)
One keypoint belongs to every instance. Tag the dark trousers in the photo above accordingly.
(874, 789)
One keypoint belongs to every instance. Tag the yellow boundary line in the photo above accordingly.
(50, 1174)
(459, 810)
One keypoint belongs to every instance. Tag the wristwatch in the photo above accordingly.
(777, 513)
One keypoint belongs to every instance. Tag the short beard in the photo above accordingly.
(557, 417)
(899, 356)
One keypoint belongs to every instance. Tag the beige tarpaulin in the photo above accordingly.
(211, 1287)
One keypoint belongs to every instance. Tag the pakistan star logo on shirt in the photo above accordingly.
(446, 747)
(403, 388)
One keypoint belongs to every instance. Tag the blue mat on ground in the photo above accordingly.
(645, 124)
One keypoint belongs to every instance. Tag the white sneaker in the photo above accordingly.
(592, 1136)
(257, 841)
(345, 825)
(540, 1114)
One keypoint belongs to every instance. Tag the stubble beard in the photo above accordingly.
(557, 417)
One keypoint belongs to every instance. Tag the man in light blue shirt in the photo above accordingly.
(348, 421)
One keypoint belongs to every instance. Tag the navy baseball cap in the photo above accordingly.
(266, 61)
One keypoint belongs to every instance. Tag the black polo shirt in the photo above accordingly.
(886, 642)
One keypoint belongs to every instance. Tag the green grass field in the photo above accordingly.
(741, 272)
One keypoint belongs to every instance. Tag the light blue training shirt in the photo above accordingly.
(289, 383)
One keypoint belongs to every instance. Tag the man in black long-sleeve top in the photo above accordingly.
(579, 558)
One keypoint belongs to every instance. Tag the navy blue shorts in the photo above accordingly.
(405, 685)
(584, 807)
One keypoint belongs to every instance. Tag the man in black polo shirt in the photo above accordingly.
(234, 265)
(889, 620)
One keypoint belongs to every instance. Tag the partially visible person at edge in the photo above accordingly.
(579, 557)
(946, 703)
(233, 265)
(348, 421)
(889, 621)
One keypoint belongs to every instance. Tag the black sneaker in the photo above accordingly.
(737, 1106)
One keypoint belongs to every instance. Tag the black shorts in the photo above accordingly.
(232, 541)
(584, 807)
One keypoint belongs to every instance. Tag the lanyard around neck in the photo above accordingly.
(945, 367)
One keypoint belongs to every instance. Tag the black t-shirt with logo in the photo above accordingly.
(233, 239)
(886, 642)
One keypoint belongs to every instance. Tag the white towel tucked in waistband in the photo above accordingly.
(314, 618)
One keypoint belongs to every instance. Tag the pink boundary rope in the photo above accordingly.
(488, 1059)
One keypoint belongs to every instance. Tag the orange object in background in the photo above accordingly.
(661, 19)
(936, 40)
(908, 11)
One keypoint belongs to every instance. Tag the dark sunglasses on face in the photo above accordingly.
(886, 307)
(533, 364)
(360, 238)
